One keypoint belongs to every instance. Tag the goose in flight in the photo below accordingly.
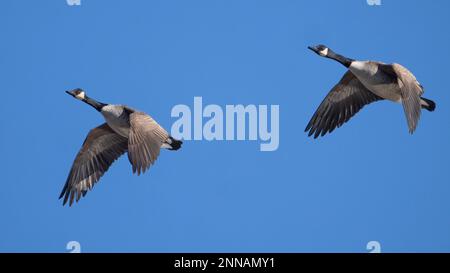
(125, 130)
(363, 83)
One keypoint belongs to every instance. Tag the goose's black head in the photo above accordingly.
(77, 93)
(326, 52)
(320, 50)
(80, 94)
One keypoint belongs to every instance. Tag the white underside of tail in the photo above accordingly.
(166, 146)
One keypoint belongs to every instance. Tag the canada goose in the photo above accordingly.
(364, 83)
(125, 130)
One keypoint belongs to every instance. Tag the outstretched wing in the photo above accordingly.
(100, 149)
(411, 91)
(144, 142)
(342, 102)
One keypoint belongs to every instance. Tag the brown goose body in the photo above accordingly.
(366, 82)
(125, 131)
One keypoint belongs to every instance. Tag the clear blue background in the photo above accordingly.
(369, 180)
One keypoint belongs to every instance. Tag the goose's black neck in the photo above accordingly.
(97, 105)
(341, 59)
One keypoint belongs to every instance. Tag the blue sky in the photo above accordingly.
(369, 180)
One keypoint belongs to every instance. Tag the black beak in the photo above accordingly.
(70, 93)
(313, 48)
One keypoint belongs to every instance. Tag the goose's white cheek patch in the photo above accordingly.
(324, 52)
(81, 96)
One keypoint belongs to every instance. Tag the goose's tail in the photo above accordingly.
(428, 104)
(172, 144)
